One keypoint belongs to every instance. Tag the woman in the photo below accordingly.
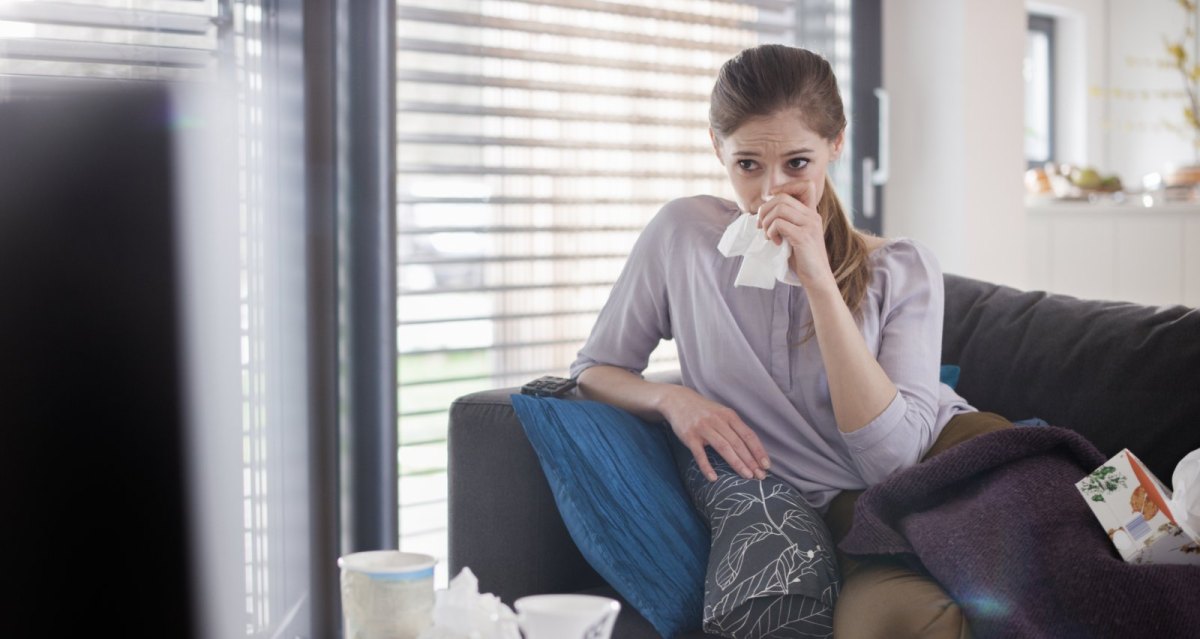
(817, 388)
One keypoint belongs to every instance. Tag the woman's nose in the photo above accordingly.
(776, 178)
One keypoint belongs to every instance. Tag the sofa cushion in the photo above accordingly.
(1121, 374)
(615, 484)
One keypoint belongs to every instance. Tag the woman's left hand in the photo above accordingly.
(791, 216)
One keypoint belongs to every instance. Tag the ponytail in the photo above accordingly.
(848, 256)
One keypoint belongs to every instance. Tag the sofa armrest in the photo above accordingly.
(504, 524)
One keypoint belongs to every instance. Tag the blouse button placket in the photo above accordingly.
(781, 322)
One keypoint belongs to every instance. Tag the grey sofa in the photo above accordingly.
(1123, 375)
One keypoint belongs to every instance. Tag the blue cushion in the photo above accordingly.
(950, 375)
(624, 504)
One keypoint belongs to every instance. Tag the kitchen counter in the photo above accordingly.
(1120, 251)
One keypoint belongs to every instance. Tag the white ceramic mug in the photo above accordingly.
(567, 616)
(386, 594)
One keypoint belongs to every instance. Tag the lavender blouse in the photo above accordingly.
(739, 346)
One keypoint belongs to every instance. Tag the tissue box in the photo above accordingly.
(1132, 506)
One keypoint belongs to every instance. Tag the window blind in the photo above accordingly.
(262, 436)
(534, 141)
(128, 39)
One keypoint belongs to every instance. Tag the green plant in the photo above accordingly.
(1105, 479)
(1189, 70)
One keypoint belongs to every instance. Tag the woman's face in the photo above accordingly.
(775, 151)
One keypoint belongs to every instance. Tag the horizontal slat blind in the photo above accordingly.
(534, 141)
(126, 39)
(262, 347)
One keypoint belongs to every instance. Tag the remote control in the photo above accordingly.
(548, 386)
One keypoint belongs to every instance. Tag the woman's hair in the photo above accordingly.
(768, 78)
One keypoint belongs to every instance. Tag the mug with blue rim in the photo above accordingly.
(386, 594)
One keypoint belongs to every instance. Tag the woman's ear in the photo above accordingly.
(712, 135)
(838, 143)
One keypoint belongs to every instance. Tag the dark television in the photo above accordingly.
(97, 465)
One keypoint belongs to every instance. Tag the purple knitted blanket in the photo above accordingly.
(998, 522)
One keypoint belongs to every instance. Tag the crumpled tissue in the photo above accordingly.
(461, 612)
(763, 261)
(1185, 499)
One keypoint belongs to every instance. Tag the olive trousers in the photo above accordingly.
(880, 596)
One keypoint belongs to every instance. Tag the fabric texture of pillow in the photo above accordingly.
(950, 375)
(616, 486)
(772, 569)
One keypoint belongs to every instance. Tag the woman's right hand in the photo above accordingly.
(699, 422)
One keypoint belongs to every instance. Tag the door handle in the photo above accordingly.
(880, 175)
(868, 187)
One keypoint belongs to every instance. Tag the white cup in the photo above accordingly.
(386, 594)
(567, 616)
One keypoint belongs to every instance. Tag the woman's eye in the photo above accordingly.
(746, 165)
(797, 163)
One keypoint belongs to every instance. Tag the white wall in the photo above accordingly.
(926, 126)
(995, 141)
(953, 71)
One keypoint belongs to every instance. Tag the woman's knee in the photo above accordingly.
(966, 426)
(887, 600)
(771, 571)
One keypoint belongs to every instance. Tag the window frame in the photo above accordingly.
(1045, 24)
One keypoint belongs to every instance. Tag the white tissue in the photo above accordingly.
(461, 612)
(1185, 501)
(763, 261)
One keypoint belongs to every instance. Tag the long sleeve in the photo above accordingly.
(677, 285)
(636, 316)
(910, 353)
